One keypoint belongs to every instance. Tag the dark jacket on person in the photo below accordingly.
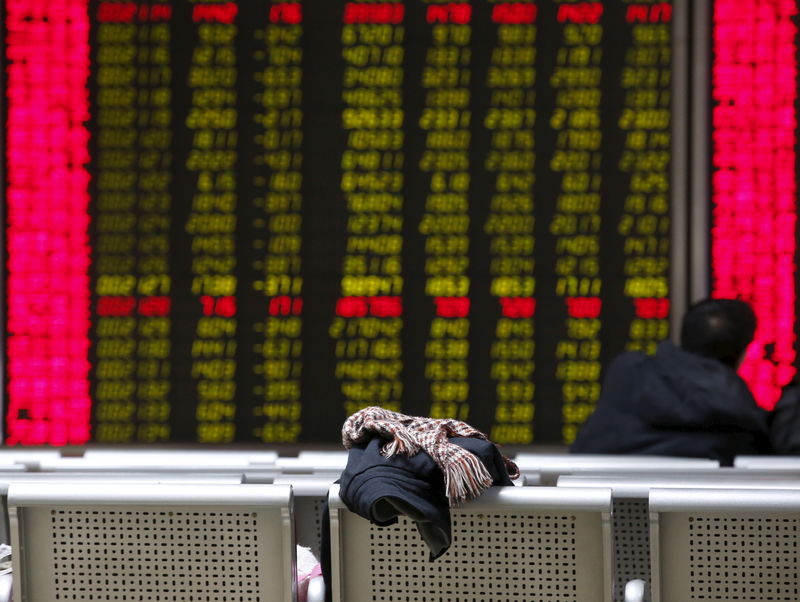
(785, 424)
(675, 403)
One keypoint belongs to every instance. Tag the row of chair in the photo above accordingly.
(235, 542)
(548, 467)
(609, 529)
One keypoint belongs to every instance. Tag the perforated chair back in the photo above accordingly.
(725, 545)
(152, 542)
(630, 523)
(511, 544)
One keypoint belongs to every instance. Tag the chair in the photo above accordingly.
(511, 544)
(79, 479)
(551, 466)
(724, 544)
(152, 542)
(630, 523)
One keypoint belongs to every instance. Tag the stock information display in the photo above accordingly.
(754, 202)
(280, 212)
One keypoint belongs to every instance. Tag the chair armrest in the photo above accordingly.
(636, 590)
(316, 590)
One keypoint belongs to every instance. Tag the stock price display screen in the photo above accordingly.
(242, 221)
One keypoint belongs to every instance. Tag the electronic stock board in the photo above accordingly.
(239, 222)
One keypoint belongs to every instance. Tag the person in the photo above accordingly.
(685, 400)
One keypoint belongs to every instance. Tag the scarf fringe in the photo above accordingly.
(402, 443)
(465, 479)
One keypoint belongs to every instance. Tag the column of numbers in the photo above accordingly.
(510, 118)
(154, 117)
(445, 123)
(281, 138)
(115, 227)
(368, 322)
(212, 120)
(576, 223)
(645, 222)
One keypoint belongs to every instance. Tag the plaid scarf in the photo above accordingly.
(465, 476)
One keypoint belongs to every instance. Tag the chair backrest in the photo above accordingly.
(630, 523)
(16, 467)
(116, 542)
(29, 459)
(511, 544)
(79, 479)
(768, 463)
(150, 464)
(551, 466)
(302, 465)
(310, 494)
(695, 473)
(24, 454)
(724, 544)
(173, 456)
(329, 457)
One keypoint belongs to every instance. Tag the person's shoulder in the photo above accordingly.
(790, 394)
(625, 370)
(785, 421)
(628, 360)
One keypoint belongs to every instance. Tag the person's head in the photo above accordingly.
(719, 328)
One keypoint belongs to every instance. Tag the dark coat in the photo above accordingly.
(380, 489)
(675, 403)
(785, 427)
